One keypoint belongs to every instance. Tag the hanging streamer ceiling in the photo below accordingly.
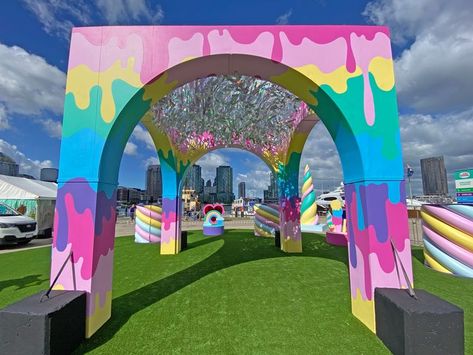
(224, 111)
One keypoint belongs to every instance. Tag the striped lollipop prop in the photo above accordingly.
(308, 205)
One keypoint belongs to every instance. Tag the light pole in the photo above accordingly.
(409, 173)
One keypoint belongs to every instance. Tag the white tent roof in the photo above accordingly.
(13, 187)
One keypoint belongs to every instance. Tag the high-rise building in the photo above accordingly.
(271, 194)
(193, 179)
(242, 190)
(8, 166)
(49, 174)
(154, 186)
(224, 180)
(134, 195)
(434, 176)
(130, 195)
(209, 194)
(123, 194)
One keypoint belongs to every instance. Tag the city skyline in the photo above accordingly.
(433, 122)
(195, 174)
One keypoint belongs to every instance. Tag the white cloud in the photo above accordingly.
(321, 154)
(422, 136)
(256, 180)
(435, 73)
(449, 135)
(209, 163)
(142, 135)
(57, 16)
(27, 165)
(29, 85)
(151, 161)
(284, 18)
(3, 118)
(125, 11)
(52, 127)
(131, 148)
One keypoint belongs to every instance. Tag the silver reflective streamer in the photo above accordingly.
(226, 111)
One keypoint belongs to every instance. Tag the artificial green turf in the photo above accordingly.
(231, 294)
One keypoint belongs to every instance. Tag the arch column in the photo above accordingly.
(171, 180)
(289, 205)
(376, 214)
(288, 187)
(171, 215)
(84, 229)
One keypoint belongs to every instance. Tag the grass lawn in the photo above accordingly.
(232, 294)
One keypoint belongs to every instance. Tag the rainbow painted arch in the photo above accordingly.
(343, 74)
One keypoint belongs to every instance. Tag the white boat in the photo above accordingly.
(323, 201)
(414, 203)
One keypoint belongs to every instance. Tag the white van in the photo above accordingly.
(16, 228)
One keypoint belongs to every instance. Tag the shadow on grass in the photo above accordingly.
(23, 282)
(418, 254)
(238, 247)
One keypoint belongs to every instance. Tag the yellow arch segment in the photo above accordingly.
(364, 310)
(434, 264)
(448, 232)
(147, 219)
(101, 314)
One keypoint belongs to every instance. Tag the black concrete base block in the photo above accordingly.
(55, 325)
(277, 239)
(183, 240)
(426, 325)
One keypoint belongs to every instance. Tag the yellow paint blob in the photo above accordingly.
(290, 245)
(81, 80)
(171, 248)
(100, 316)
(337, 79)
(383, 72)
(291, 80)
(158, 88)
(364, 311)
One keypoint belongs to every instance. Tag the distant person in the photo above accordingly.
(132, 213)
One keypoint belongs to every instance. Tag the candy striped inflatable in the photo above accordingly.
(448, 238)
(266, 220)
(148, 224)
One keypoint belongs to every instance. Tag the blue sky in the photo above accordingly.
(434, 75)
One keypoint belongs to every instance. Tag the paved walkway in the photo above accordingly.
(124, 228)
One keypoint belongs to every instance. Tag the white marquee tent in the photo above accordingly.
(33, 198)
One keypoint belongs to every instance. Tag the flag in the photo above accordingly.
(409, 170)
